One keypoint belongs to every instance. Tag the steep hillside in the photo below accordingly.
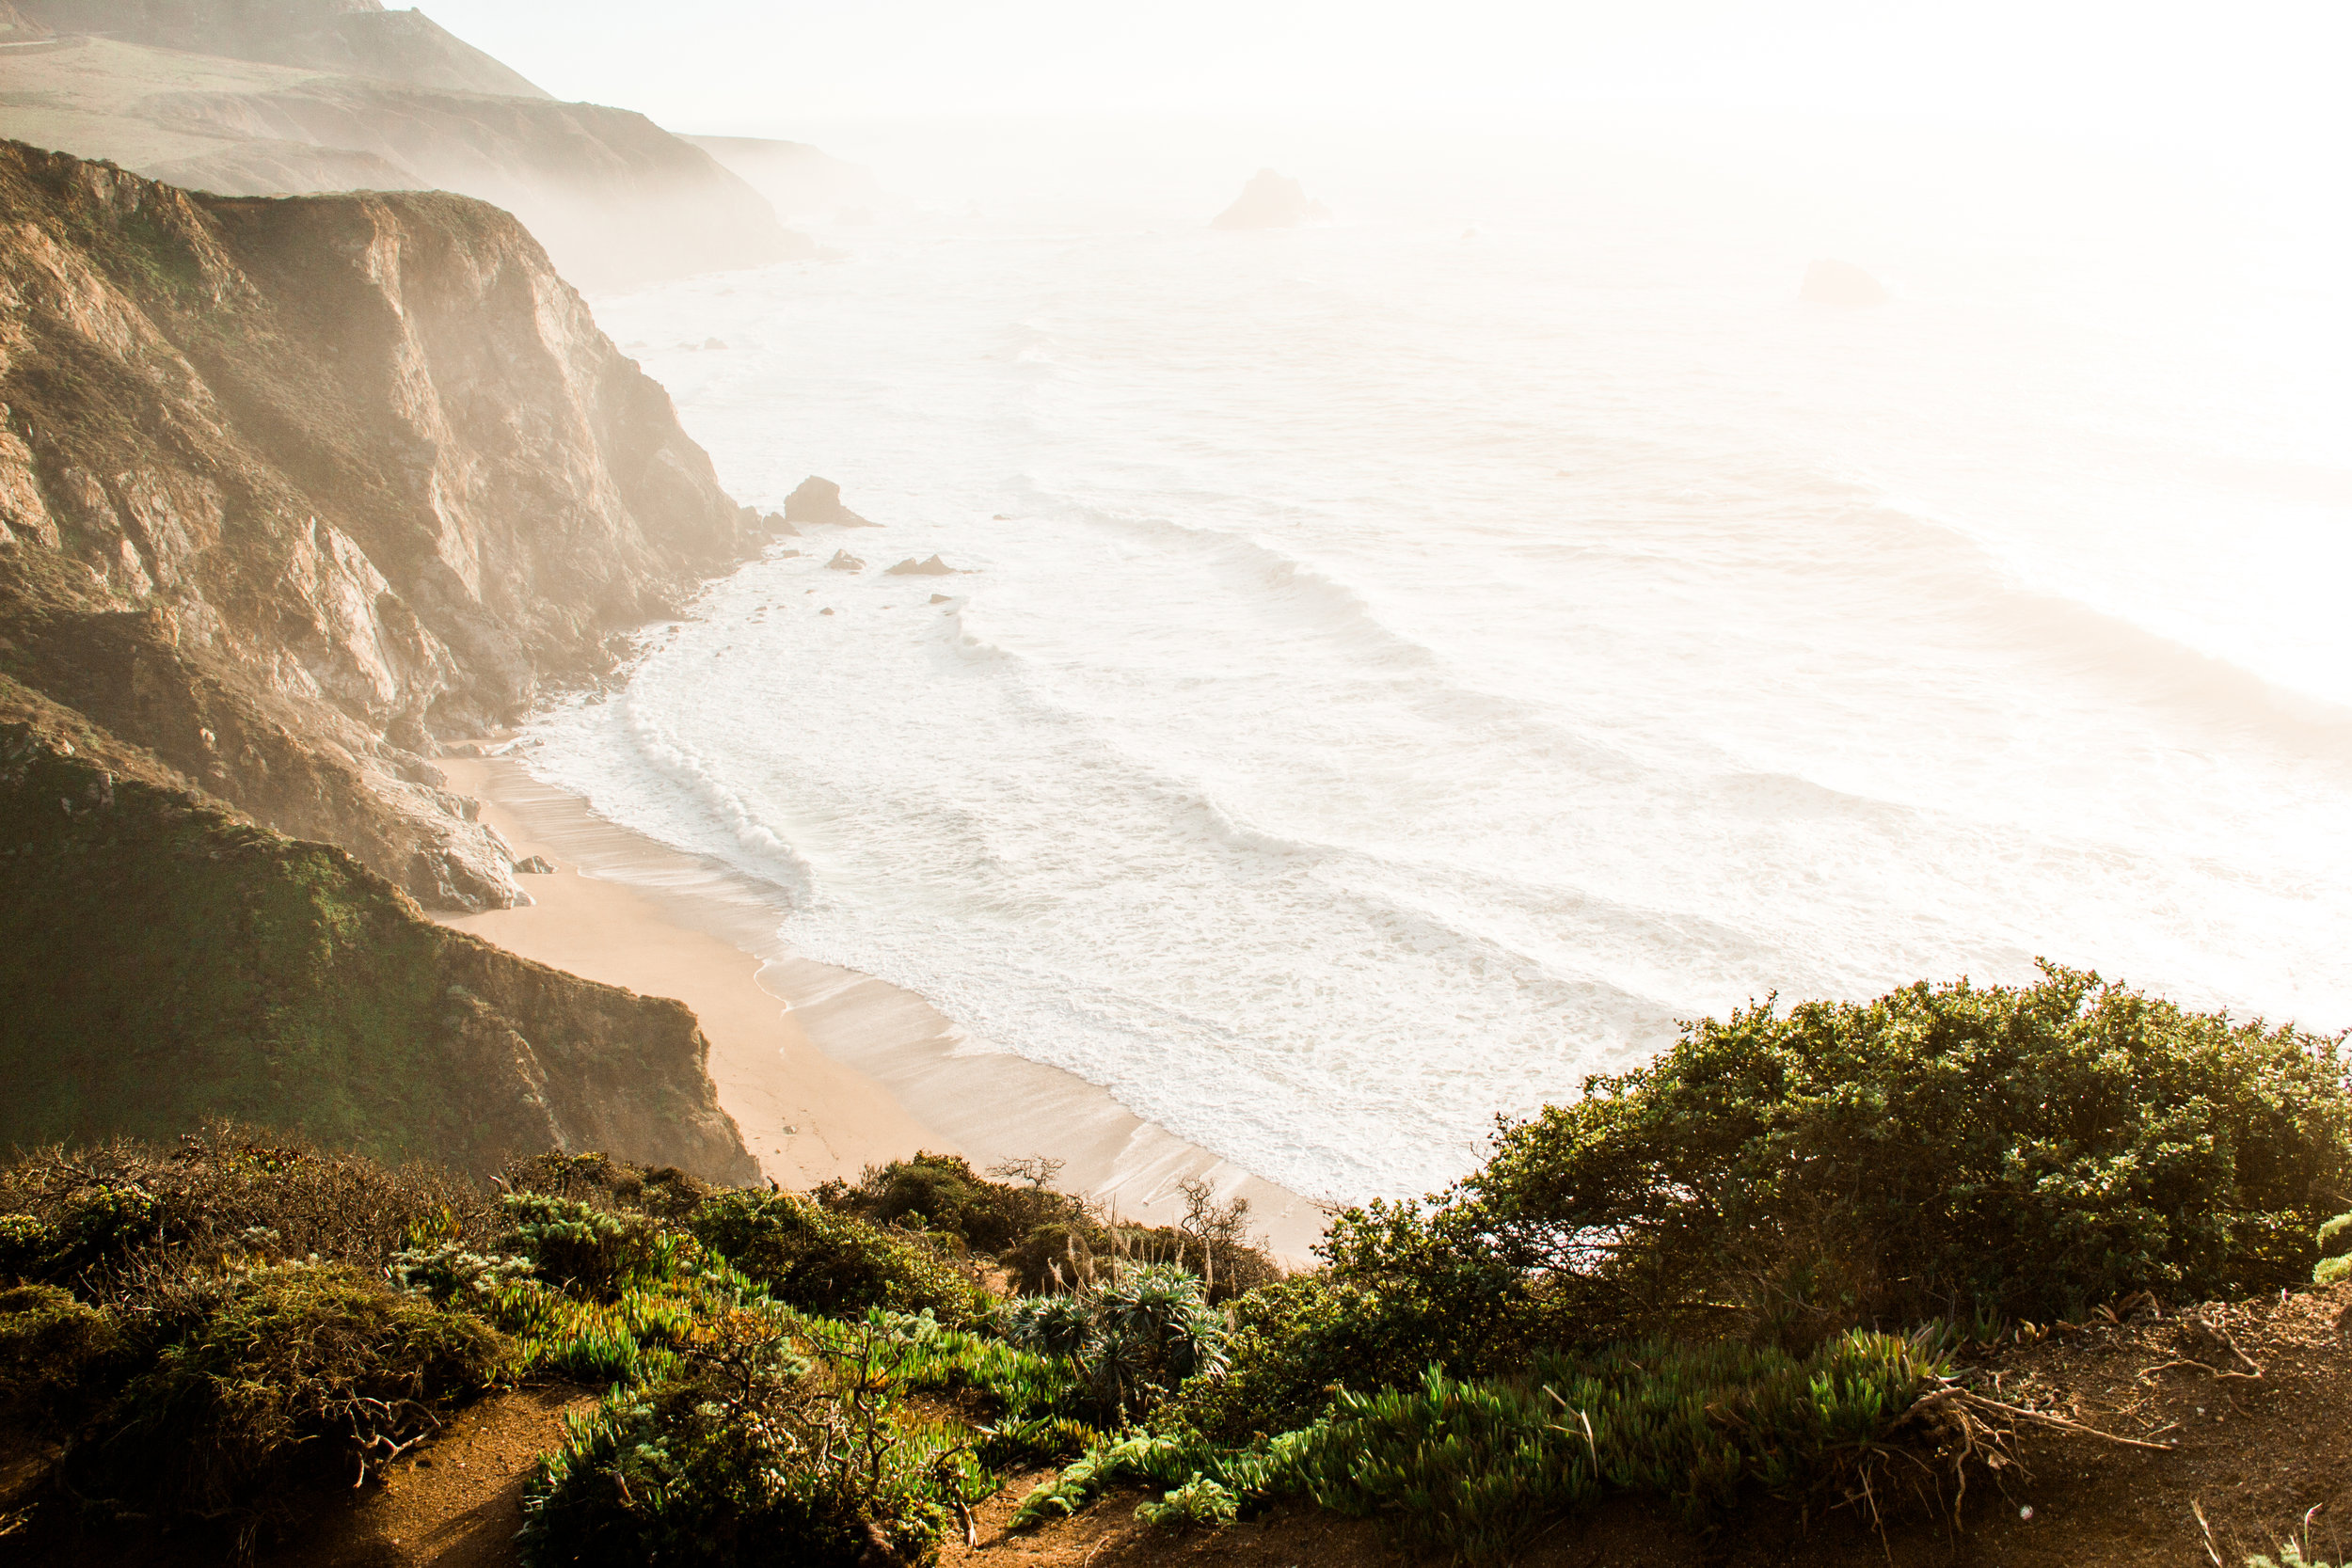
(614, 198)
(793, 176)
(165, 961)
(292, 489)
(355, 37)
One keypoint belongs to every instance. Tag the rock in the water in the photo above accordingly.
(911, 567)
(817, 501)
(1828, 283)
(843, 561)
(773, 522)
(824, 612)
(536, 865)
(941, 598)
(1270, 200)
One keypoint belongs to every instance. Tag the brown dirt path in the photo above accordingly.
(457, 1504)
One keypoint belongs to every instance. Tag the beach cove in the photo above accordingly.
(826, 1070)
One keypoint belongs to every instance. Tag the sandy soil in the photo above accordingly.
(804, 1117)
(456, 1505)
(825, 1069)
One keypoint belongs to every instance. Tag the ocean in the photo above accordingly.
(1400, 666)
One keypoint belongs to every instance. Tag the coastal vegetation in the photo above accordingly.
(1762, 1267)
(166, 959)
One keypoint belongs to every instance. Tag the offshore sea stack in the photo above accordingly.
(1271, 200)
(1833, 282)
(817, 503)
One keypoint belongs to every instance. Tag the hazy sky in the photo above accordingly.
(2156, 70)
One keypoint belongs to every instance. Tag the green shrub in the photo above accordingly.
(49, 1346)
(1133, 1338)
(26, 1243)
(452, 1273)
(1198, 1504)
(1471, 1469)
(1051, 1241)
(752, 1454)
(662, 1192)
(630, 1335)
(2335, 1251)
(573, 1244)
(945, 1194)
(107, 1216)
(1942, 1152)
(1295, 1344)
(310, 1367)
(833, 1263)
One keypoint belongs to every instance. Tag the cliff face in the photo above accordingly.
(291, 490)
(164, 961)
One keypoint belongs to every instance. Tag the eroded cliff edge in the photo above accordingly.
(292, 492)
(293, 489)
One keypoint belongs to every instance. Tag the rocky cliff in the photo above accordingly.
(292, 490)
(164, 961)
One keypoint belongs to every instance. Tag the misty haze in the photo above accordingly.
(1149, 621)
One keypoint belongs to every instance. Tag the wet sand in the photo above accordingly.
(825, 1069)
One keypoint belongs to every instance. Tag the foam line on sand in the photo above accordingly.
(825, 1069)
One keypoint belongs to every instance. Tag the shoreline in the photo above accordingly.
(825, 1070)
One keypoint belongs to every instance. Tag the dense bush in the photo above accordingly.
(1133, 1338)
(1294, 1345)
(781, 1439)
(1471, 1469)
(256, 1376)
(833, 1263)
(99, 1218)
(1049, 1241)
(748, 1454)
(577, 1246)
(51, 1349)
(1474, 1467)
(2335, 1251)
(1946, 1150)
(942, 1194)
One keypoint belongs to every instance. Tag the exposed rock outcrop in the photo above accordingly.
(817, 502)
(910, 567)
(843, 561)
(164, 962)
(291, 490)
(1831, 283)
(1270, 200)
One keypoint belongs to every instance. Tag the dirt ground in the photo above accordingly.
(457, 1504)
(2250, 1407)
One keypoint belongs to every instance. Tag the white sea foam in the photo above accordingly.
(1400, 677)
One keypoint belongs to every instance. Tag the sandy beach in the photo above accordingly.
(825, 1069)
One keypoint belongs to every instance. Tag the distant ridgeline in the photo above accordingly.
(261, 97)
(290, 491)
